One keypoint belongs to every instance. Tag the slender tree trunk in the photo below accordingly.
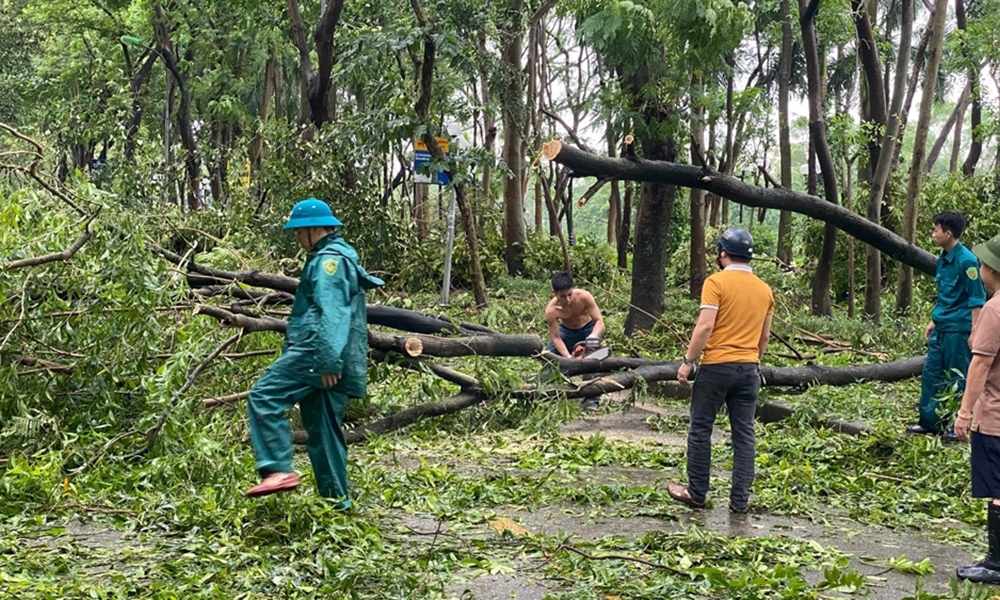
(823, 276)
(514, 232)
(956, 146)
(257, 145)
(890, 145)
(874, 91)
(904, 287)
(421, 215)
(136, 83)
(625, 232)
(976, 147)
(784, 136)
(955, 118)
(422, 109)
(614, 199)
(697, 197)
(316, 83)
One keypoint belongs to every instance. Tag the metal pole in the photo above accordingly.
(449, 246)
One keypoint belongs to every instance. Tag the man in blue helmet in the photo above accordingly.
(324, 361)
(731, 335)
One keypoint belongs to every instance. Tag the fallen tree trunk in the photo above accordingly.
(652, 371)
(411, 346)
(386, 316)
(585, 164)
(484, 345)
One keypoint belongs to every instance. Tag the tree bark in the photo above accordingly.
(653, 370)
(784, 137)
(637, 169)
(904, 287)
(823, 276)
(257, 145)
(956, 146)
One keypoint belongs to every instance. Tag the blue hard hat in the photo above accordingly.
(311, 213)
(737, 242)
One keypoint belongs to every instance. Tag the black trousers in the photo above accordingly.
(736, 385)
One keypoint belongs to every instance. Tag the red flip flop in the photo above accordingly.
(681, 494)
(274, 483)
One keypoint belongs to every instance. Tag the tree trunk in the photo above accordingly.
(257, 145)
(421, 214)
(890, 145)
(956, 146)
(615, 197)
(823, 276)
(514, 233)
(697, 196)
(192, 163)
(976, 147)
(625, 233)
(784, 137)
(656, 205)
(316, 83)
(422, 109)
(904, 288)
(874, 90)
(955, 118)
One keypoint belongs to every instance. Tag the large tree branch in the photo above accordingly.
(299, 36)
(323, 36)
(638, 169)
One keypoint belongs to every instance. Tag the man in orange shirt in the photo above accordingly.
(981, 409)
(732, 330)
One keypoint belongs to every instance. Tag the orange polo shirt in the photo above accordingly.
(743, 301)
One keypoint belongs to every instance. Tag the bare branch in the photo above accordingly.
(66, 254)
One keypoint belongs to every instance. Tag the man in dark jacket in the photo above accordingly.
(323, 363)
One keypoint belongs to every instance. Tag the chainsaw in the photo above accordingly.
(591, 349)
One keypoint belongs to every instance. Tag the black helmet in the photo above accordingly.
(737, 242)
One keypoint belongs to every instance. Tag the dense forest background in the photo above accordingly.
(150, 152)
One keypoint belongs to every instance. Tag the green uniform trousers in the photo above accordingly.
(948, 358)
(322, 413)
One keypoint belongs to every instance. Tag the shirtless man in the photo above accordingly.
(572, 316)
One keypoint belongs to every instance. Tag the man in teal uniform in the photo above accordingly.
(323, 363)
(959, 299)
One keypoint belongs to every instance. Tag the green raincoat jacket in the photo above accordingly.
(328, 328)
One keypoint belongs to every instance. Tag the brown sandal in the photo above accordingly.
(681, 494)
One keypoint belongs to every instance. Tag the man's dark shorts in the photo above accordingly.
(572, 337)
(985, 465)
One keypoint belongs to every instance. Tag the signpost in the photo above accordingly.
(422, 156)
